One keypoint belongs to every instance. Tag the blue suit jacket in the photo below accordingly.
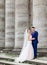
(35, 35)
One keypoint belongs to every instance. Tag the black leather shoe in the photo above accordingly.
(34, 57)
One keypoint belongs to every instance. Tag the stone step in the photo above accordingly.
(5, 56)
(40, 52)
(12, 63)
(12, 49)
(41, 60)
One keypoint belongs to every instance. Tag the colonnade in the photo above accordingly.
(16, 16)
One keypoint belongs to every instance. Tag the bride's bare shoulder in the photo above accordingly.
(29, 35)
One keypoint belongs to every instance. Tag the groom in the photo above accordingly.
(34, 40)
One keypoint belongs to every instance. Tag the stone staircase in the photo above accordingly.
(10, 60)
(41, 51)
(8, 56)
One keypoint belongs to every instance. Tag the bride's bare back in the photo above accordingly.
(29, 35)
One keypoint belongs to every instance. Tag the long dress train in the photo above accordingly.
(27, 52)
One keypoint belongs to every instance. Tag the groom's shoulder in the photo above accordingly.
(36, 32)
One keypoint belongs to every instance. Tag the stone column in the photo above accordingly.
(9, 23)
(31, 13)
(2, 23)
(40, 21)
(21, 21)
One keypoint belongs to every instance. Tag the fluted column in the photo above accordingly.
(21, 21)
(40, 20)
(2, 23)
(31, 12)
(9, 23)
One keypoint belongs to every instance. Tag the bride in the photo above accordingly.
(27, 52)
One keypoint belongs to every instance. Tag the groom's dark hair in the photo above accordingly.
(33, 27)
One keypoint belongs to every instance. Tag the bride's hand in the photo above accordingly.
(33, 38)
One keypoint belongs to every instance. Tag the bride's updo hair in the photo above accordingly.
(28, 29)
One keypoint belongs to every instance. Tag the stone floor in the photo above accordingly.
(11, 57)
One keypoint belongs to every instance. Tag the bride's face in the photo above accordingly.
(29, 31)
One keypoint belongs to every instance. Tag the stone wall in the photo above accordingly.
(21, 21)
(16, 16)
(40, 21)
(31, 13)
(2, 23)
(9, 23)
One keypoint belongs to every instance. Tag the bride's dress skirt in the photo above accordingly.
(27, 53)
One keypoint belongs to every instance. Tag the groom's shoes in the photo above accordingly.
(34, 57)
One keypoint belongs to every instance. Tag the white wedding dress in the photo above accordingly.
(27, 52)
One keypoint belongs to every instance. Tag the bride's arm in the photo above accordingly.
(29, 37)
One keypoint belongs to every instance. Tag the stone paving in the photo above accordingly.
(8, 58)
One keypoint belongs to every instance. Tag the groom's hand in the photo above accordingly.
(33, 38)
